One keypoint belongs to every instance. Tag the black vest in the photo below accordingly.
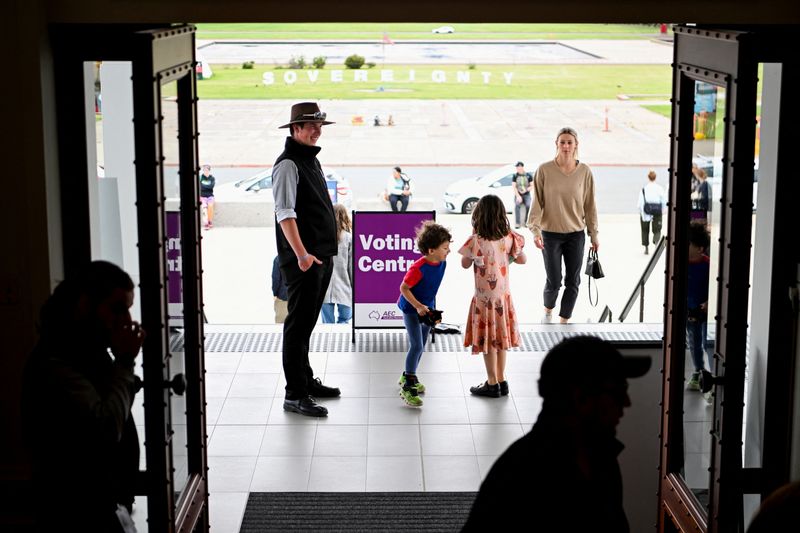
(315, 220)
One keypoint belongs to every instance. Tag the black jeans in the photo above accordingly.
(656, 230)
(402, 198)
(306, 293)
(568, 246)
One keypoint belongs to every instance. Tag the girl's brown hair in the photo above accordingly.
(342, 221)
(489, 220)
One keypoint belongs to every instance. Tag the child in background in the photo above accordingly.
(280, 292)
(207, 182)
(417, 296)
(492, 321)
(697, 301)
(340, 289)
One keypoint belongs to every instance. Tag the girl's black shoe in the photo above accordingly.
(503, 388)
(484, 389)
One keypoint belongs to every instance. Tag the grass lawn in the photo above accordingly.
(374, 31)
(528, 82)
(665, 109)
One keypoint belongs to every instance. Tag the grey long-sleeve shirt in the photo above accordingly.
(284, 189)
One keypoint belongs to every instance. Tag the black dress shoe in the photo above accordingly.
(484, 389)
(316, 388)
(305, 406)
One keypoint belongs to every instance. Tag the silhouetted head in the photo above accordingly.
(92, 304)
(585, 378)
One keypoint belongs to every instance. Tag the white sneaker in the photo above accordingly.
(547, 318)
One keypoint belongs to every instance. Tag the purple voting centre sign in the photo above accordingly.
(384, 247)
(174, 268)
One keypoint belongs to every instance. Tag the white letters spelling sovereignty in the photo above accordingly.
(384, 75)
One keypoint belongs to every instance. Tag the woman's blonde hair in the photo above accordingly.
(568, 131)
(343, 222)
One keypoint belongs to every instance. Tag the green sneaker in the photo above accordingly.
(694, 382)
(419, 386)
(410, 396)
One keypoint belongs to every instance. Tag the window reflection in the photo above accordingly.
(704, 232)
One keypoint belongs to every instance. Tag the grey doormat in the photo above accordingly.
(356, 511)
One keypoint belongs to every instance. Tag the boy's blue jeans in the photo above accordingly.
(696, 342)
(417, 336)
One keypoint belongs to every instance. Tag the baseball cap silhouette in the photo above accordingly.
(586, 361)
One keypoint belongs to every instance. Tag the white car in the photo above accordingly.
(259, 187)
(444, 29)
(462, 195)
(713, 168)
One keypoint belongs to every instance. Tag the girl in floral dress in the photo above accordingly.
(492, 321)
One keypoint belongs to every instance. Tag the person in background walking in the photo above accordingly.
(279, 292)
(563, 207)
(207, 182)
(491, 320)
(652, 199)
(398, 189)
(523, 185)
(340, 290)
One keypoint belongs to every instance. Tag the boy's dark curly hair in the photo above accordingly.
(431, 235)
(698, 235)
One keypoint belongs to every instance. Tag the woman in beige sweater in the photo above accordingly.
(563, 207)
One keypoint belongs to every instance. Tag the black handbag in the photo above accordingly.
(593, 270)
(650, 208)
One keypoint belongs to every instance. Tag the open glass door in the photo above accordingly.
(707, 316)
(165, 125)
(127, 121)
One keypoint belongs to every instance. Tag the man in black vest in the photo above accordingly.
(306, 237)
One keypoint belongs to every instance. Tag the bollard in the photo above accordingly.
(605, 121)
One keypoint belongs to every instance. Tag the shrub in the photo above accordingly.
(248, 65)
(471, 66)
(371, 64)
(354, 62)
(319, 62)
(298, 62)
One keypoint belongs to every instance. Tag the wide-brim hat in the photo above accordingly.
(306, 112)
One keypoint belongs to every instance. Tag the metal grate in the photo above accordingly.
(394, 341)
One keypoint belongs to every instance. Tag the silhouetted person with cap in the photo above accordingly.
(78, 388)
(563, 475)
(306, 237)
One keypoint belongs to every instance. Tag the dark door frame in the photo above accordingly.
(727, 58)
(158, 54)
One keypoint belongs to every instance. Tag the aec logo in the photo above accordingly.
(387, 315)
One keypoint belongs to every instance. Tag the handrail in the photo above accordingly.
(638, 291)
(606, 315)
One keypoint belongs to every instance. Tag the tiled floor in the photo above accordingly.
(370, 441)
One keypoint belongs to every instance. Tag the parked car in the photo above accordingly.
(462, 195)
(713, 169)
(259, 186)
(444, 29)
